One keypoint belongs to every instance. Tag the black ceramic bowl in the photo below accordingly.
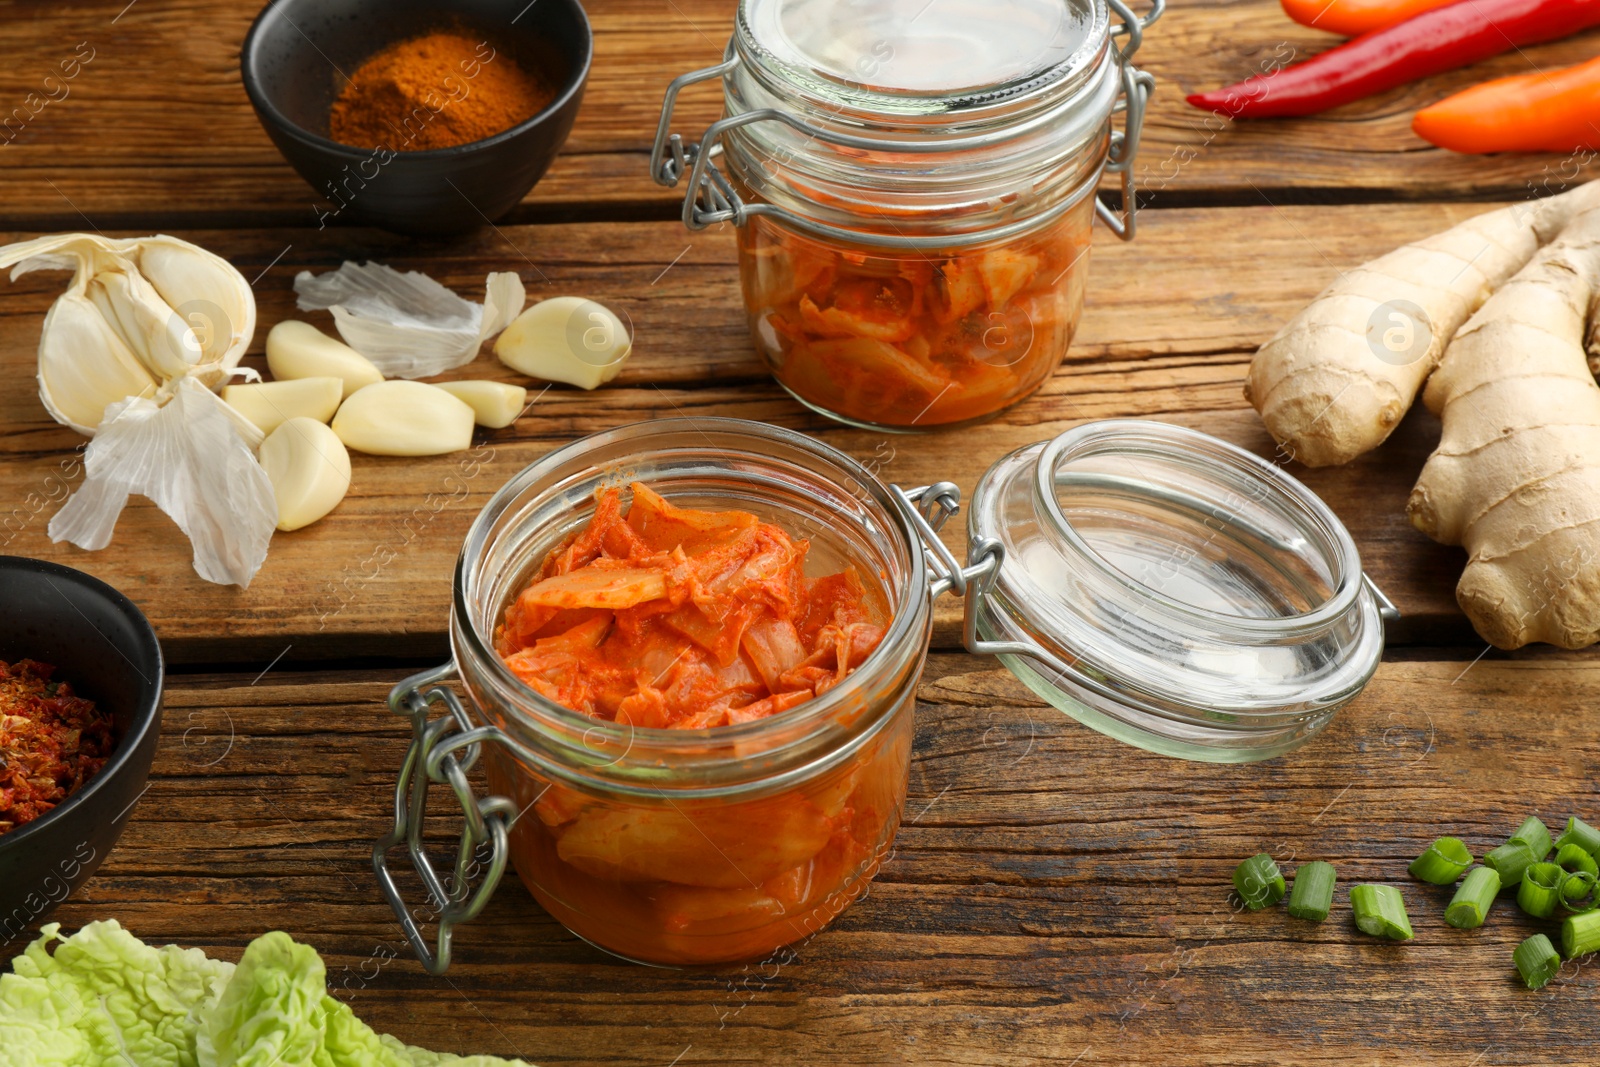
(100, 642)
(294, 62)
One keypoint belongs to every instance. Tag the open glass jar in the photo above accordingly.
(1154, 583)
(913, 186)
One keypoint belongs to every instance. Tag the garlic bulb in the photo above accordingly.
(140, 311)
(131, 355)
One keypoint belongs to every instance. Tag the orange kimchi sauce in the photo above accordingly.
(914, 340)
(668, 617)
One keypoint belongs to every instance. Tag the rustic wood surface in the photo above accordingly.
(1055, 896)
(166, 74)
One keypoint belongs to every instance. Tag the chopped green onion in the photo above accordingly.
(1535, 835)
(1578, 892)
(1313, 891)
(1581, 834)
(1511, 860)
(1573, 859)
(1259, 882)
(1580, 934)
(1380, 910)
(1467, 909)
(1443, 862)
(1540, 890)
(1537, 961)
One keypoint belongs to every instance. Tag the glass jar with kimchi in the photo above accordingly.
(913, 189)
(696, 646)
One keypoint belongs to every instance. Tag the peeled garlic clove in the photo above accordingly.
(566, 339)
(309, 470)
(300, 350)
(271, 404)
(84, 366)
(403, 418)
(494, 404)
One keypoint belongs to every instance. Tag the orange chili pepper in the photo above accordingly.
(1555, 111)
(1352, 18)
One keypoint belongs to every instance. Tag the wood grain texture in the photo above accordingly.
(156, 131)
(1055, 896)
(1163, 338)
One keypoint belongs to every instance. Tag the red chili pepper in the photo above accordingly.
(1432, 42)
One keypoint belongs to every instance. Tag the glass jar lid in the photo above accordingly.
(955, 51)
(1172, 590)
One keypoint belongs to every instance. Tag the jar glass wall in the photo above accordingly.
(700, 846)
(914, 340)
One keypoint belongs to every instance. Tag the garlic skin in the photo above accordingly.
(299, 350)
(403, 418)
(269, 405)
(408, 324)
(494, 405)
(566, 339)
(139, 313)
(309, 470)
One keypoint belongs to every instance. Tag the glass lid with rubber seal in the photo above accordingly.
(953, 51)
(1172, 590)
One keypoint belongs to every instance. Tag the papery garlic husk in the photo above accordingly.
(130, 355)
(195, 458)
(121, 330)
(407, 324)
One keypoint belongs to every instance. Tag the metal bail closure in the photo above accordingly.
(432, 758)
(710, 198)
(927, 510)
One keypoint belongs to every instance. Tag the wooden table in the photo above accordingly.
(1054, 896)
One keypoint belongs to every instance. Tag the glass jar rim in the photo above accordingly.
(807, 720)
(1106, 435)
(788, 75)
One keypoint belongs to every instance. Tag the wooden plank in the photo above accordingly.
(1054, 896)
(1172, 322)
(155, 130)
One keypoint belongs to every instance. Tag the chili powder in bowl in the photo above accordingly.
(422, 118)
(77, 791)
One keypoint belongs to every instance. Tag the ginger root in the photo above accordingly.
(1516, 476)
(1338, 378)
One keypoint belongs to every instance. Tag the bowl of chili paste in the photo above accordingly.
(80, 713)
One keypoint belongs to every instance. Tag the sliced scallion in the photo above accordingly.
(1578, 892)
(1259, 882)
(1535, 835)
(1380, 910)
(1574, 859)
(1581, 834)
(1540, 890)
(1580, 934)
(1313, 891)
(1443, 861)
(1468, 908)
(1511, 860)
(1537, 961)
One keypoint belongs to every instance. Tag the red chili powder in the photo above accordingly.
(435, 91)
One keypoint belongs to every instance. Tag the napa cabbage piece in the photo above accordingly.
(103, 998)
